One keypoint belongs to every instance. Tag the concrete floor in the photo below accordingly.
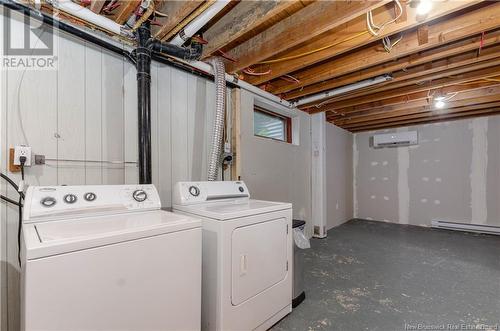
(369, 275)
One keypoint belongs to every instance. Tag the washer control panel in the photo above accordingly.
(186, 193)
(57, 202)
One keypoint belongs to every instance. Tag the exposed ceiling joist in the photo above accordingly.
(176, 12)
(488, 91)
(431, 119)
(308, 23)
(453, 29)
(125, 9)
(96, 5)
(246, 17)
(349, 36)
(489, 69)
(425, 113)
(387, 115)
(423, 59)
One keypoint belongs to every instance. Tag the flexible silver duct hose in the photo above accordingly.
(220, 112)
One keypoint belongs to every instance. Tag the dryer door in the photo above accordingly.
(259, 258)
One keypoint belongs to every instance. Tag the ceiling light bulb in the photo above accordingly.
(439, 104)
(439, 98)
(424, 7)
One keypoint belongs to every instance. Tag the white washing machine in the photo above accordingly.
(247, 255)
(107, 258)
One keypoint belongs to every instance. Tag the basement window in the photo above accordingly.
(270, 125)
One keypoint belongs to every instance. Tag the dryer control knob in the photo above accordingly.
(70, 198)
(89, 196)
(48, 202)
(139, 195)
(194, 191)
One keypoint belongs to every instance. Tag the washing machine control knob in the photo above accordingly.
(194, 191)
(48, 202)
(139, 195)
(89, 196)
(70, 198)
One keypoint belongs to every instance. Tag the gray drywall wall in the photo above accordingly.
(452, 174)
(275, 170)
(339, 175)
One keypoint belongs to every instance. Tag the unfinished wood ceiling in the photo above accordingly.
(295, 49)
(306, 48)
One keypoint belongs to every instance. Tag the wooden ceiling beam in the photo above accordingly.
(347, 37)
(442, 32)
(176, 12)
(492, 101)
(489, 93)
(298, 28)
(245, 17)
(122, 13)
(430, 119)
(424, 80)
(406, 63)
(96, 5)
(470, 76)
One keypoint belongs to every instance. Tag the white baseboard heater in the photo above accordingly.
(479, 228)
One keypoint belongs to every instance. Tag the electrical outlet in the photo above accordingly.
(22, 151)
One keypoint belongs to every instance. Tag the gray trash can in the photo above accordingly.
(300, 242)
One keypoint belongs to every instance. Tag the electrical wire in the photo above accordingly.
(389, 45)
(292, 57)
(19, 204)
(376, 29)
(4, 198)
(252, 72)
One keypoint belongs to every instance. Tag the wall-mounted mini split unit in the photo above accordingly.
(395, 139)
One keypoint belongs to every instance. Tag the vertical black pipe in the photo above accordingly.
(143, 56)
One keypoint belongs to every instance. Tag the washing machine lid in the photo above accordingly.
(58, 237)
(233, 209)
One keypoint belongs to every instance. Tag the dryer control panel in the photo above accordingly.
(63, 202)
(187, 193)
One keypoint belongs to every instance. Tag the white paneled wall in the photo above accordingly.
(83, 118)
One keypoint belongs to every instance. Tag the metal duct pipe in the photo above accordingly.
(195, 25)
(220, 111)
(143, 58)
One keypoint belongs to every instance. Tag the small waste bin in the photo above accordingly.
(301, 242)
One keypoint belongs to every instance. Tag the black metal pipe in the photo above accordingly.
(143, 59)
(190, 54)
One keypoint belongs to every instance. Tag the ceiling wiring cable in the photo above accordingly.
(380, 28)
(292, 57)
(376, 29)
(252, 72)
(290, 78)
(389, 45)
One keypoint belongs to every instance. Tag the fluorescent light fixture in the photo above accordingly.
(343, 89)
(424, 7)
(439, 104)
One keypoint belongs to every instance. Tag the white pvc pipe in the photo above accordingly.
(89, 16)
(343, 89)
(198, 22)
(207, 68)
